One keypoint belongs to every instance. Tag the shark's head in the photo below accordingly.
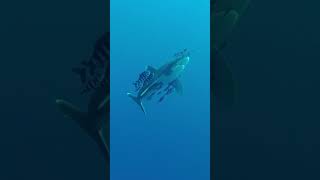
(183, 61)
(181, 64)
(174, 69)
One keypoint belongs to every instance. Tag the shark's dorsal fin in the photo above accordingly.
(178, 86)
(151, 69)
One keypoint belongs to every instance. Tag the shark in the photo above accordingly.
(95, 76)
(94, 121)
(164, 77)
(225, 15)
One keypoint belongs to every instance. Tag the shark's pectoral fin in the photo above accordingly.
(151, 69)
(178, 86)
(70, 111)
(84, 122)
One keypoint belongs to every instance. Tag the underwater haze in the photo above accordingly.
(173, 140)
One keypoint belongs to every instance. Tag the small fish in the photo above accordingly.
(94, 84)
(170, 85)
(82, 73)
(90, 65)
(94, 71)
(144, 78)
(170, 90)
(161, 99)
(97, 60)
(101, 51)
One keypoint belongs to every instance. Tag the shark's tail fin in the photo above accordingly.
(138, 101)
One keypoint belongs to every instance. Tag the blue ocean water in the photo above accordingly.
(173, 141)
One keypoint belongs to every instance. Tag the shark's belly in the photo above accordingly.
(162, 81)
(167, 79)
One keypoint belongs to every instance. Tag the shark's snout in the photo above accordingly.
(184, 61)
(181, 65)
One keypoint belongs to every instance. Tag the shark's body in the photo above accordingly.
(94, 121)
(167, 75)
(225, 15)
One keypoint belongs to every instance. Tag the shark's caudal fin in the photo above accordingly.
(82, 119)
(138, 101)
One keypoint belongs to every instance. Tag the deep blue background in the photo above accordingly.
(273, 131)
(40, 41)
(173, 141)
